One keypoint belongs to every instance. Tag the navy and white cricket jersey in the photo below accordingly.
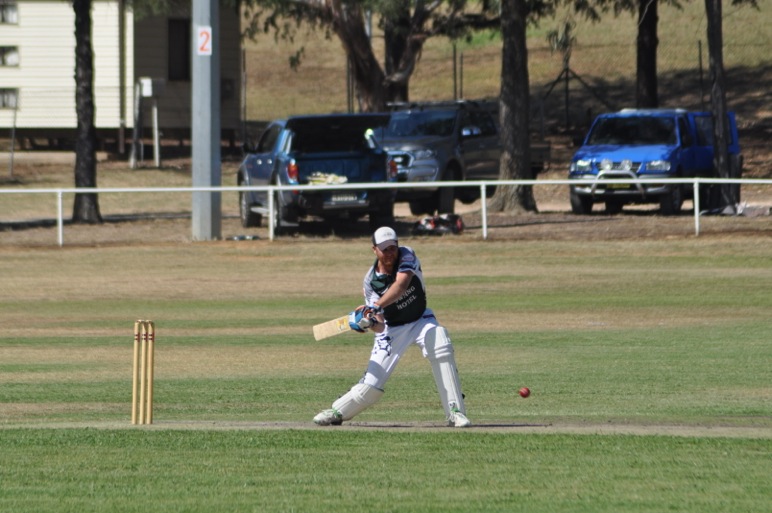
(411, 306)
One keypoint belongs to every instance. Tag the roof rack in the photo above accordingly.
(439, 104)
(628, 110)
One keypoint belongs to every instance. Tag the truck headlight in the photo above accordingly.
(658, 165)
(424, 154)
(581, 166)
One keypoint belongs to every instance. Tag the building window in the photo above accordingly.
(9, 13)
(9, 56)
(9, 98)
(179, 50)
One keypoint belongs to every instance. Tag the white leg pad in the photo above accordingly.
(357, 400)
(439, 351)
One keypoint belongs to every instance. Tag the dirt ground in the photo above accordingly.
(569, 427)
(554, 221)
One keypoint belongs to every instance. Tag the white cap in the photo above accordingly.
(384, 237)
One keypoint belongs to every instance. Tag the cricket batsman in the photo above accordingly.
(396, 311)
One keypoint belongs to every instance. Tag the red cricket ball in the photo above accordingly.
(525, 392)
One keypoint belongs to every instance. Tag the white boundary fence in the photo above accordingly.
(60, 192)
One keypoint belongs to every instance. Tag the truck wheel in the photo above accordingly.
(614, 207)
(710, 197)
(670, 203)
(468, 195)
(384, 216)
(420, 207)
(279, 228)
(446, 201)
(580, 205)
(249, 219)
(446, 196)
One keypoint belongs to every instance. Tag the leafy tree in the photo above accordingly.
(86, 208)
(406, 25)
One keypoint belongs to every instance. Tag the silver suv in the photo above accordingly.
(442, 141)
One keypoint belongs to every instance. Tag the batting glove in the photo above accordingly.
(359, 320)
(374, 309)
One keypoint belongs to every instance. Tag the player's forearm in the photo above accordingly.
(379, 324)
(395, 291)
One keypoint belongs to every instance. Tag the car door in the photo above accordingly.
(490, 144)
(265, 155)
(476, 144)
(701, 155)
(259, 164)
(687, 147)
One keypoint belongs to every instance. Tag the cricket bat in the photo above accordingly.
(331, 328)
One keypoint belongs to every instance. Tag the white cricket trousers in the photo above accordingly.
(390, 345)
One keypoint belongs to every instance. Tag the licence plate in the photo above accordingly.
(617, 186)
(343, 198)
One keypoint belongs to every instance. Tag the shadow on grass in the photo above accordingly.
(108, 219)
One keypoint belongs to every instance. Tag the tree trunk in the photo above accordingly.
(349, 25)
(718, 102)
(646, 73)
(86, 208)
(395, 46)
(404, 42)
(514, 109)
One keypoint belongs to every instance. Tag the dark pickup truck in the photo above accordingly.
(447, 141)
(650, 144)
(321, 149)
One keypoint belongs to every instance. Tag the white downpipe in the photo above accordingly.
(696, 203)
(271, 215)
(60, 218)
(156, 136)
(484, 205)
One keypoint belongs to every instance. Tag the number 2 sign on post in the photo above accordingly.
(204, 45)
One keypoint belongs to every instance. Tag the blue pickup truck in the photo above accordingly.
(650, 144)
(318, 150)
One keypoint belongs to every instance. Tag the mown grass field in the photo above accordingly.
(648, 358)
(648, 363)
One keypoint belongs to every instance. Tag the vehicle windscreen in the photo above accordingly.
(333, 133)
(633, 131)
(332, 141)
(422, 123)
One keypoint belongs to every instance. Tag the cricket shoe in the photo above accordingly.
(328, 418)
(458, 419)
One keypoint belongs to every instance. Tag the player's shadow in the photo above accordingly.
(433, 425)
(347, 229)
